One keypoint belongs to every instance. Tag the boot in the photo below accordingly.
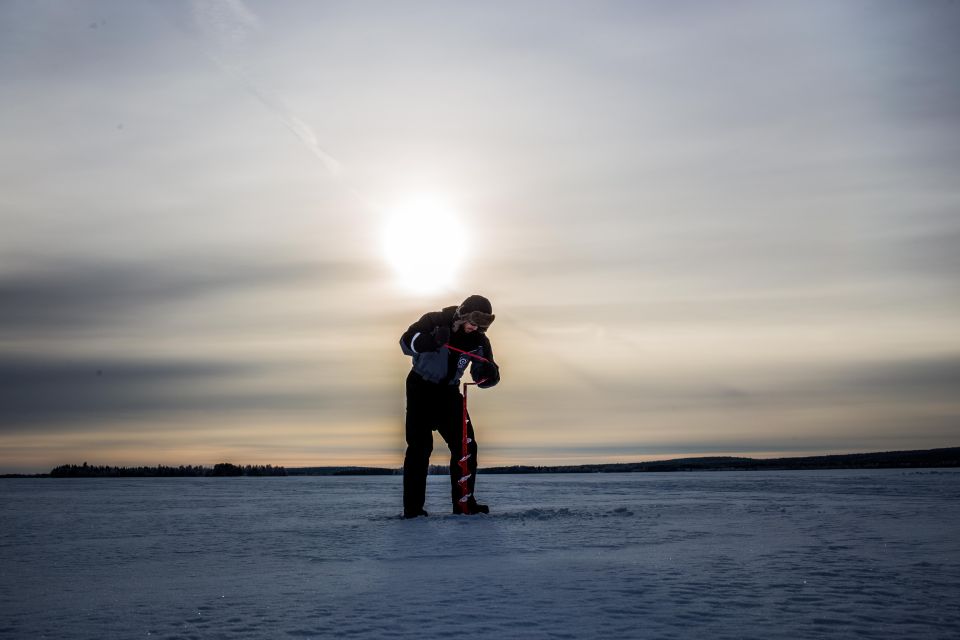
(473, 508)
(414, 514)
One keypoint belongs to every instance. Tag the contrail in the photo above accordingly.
(226, 24)
(301, 129)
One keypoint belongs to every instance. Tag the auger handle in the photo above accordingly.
(467, 353)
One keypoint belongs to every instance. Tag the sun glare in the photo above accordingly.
(425, 243)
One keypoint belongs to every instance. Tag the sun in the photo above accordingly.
(425, 243)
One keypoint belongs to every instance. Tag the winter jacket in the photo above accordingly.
(436, 363)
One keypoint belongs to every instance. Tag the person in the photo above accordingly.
(434, 401)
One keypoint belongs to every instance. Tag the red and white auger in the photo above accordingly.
(465, 474)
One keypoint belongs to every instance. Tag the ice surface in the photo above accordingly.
(812, 554)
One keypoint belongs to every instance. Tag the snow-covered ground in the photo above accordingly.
(835, 554)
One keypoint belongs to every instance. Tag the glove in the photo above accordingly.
(432, 341)
(488, 372)
(441, 335)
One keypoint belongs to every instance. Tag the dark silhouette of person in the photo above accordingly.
(442, 344)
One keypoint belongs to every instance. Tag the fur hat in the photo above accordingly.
(475, 310)
(475, 303)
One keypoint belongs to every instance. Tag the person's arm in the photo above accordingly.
(487, 374)
(429, 333)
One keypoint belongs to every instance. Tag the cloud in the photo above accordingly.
(908, 382)
(932, 253)
(932, 377)
(76, 394)
(69, 295)
(39, 391)
(814, 402)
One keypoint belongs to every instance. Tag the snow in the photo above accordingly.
(808, 554)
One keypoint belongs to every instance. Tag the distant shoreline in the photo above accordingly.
(927, 458)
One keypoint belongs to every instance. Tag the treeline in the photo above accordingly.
(342, 471)
(222, 469)
(932, 458)
(433, 470)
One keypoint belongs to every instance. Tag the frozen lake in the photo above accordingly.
(812, 554)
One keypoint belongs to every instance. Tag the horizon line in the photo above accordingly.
(524, 465)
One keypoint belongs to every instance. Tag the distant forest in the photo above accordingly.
(930, 458)
(223, 469)
(86, 470)
(935, 458)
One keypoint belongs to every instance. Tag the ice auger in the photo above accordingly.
(464, 482)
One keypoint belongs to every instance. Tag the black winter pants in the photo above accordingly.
(434, 407)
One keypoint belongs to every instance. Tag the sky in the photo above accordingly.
(705, 228)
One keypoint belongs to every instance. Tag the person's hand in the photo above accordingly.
(488, 373)
(441, 336)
